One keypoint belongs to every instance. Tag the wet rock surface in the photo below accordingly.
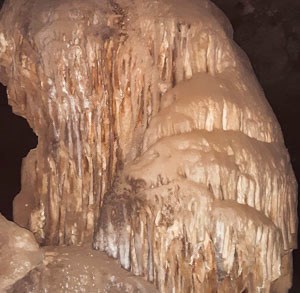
(269, 33)
(153, 131)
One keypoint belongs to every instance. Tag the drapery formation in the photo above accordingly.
(156, 143)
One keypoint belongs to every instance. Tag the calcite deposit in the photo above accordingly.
(156, 143)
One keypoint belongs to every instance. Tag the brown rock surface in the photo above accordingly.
(156, 142)
(19, 253)
(79, 269)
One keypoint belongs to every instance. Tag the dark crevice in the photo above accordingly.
(17, 138)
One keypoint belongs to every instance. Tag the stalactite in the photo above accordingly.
(156, 143)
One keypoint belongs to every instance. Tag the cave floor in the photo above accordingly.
(79, 269)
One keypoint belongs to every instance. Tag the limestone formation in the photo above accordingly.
(156, 143)
(19, 253)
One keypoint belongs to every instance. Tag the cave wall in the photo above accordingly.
(153, 131)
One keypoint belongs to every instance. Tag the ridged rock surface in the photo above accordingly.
(156, 142)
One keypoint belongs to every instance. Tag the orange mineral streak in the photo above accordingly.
(156, 143)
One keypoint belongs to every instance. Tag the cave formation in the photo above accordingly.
(156, 144)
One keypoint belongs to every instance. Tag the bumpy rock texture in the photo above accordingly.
(156, 143)
(79, 269)
(19, 253)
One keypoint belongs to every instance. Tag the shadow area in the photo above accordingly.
(16, 140)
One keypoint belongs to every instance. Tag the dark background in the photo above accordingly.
(267, 30)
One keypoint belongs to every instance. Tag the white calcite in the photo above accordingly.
(156, 143)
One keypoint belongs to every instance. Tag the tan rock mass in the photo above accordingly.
(19, 253)
(69, 269)
(156, 143)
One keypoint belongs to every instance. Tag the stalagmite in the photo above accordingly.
(156, 143)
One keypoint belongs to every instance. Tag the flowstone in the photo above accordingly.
(156, 143)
